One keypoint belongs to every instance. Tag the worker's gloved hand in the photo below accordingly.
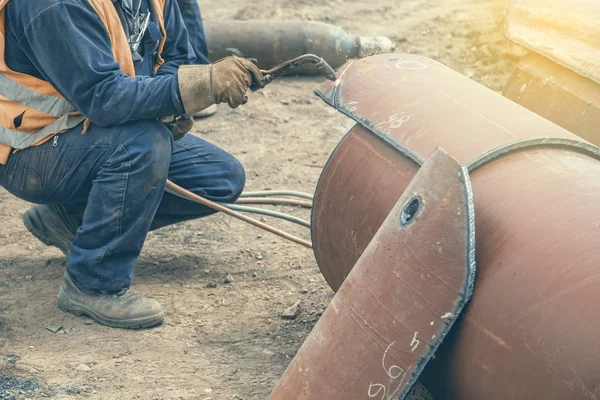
(179, 126)
(225, 81)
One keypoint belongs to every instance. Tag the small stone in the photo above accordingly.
(212, 285)
(259, 257)
(304, 291)
(83, 368)
(291, 312)
(29, 277)
(254, 274)
(285, 102)
(207, 271)
(88, 322)
(228, 279)
(54, 327)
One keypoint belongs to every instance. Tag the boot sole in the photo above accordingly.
(32, 229)
(80, 310)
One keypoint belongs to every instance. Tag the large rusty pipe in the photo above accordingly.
(531, 330)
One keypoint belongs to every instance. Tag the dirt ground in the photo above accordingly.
(225, 340)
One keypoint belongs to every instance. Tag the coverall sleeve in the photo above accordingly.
(69, 45)
(177, 49)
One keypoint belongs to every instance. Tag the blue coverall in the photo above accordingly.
(193, 22)
(112, 178)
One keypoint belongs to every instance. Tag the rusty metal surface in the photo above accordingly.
(401, 298)
(531, 328)
(557, 94)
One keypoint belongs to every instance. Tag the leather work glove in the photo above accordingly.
(225, 81)
(178, 126)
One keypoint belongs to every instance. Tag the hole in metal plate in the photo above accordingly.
(410, 211)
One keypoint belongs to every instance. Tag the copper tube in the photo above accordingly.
(178, 190)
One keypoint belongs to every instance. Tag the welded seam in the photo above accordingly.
(471, 265)
(506, 149)
(468, 287)
(365, 123)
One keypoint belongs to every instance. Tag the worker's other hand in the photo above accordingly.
(225, 81)
(179, 126)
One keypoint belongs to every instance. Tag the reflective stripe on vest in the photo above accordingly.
(51, 105)
(22, 140)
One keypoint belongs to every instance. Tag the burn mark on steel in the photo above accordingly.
(366, 327)
(489, 334)
(383, 307)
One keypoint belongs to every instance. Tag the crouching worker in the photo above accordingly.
(84, 88)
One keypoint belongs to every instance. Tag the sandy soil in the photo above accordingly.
(224, 340)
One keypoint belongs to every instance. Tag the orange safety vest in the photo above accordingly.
(42, 110)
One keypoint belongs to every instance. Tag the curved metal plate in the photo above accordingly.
(414, 103)
(401, 298)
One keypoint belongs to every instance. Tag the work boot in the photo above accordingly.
(125, 309)
(51, 225)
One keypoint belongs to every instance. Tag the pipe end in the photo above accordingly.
(373, 45)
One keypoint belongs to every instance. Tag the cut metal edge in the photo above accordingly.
(365, 123)
(468, 285)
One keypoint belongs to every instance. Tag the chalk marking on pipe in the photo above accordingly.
(336, 85)
(352, 109)
(411, 65)
(389, 370)
(339, 80)
(380, 387)
(415, 342)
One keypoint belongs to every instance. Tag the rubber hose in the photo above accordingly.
(274, 200)
(186, 194)
(270, 213)
(269, 193)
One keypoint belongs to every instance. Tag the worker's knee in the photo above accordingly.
(235, 179)
(150, 145)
